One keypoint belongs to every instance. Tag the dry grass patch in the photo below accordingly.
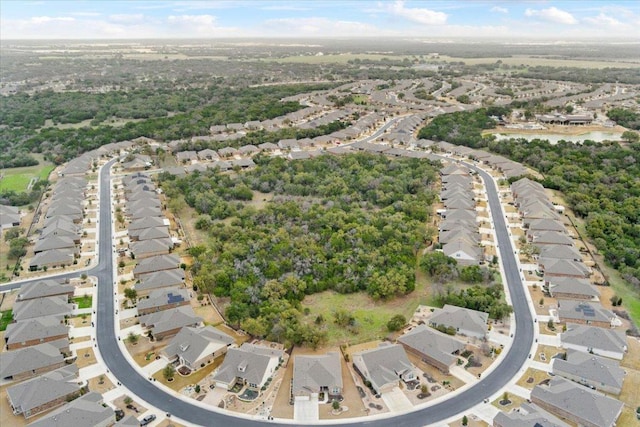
(100, 384)
(168, 422)
(143, 358)
(516, 401)
(207, 311)
(79, 322)
(86, 357)
(536, 375)
(472, 421)
(75, 340)
(179, 382)
(119, 404)
(631, 359)
(548, 352)
(630, 393)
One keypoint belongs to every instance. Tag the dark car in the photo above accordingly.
(147, 420)
(119, 414)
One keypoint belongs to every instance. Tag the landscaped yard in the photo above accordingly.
(17, 179)
(83, 301)
(532, 378)
(179, 382)
(5, 319)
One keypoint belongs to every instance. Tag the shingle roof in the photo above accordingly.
(583, 310)
(54, 256)
(461, 318)
(160, 297)
(35, 328)
(50, 386)
(572, 285)
(528, 415)
(86, 410)
(594, 337)
(27, 359)
(596, 370)
(160, 279)
(432, 343)
(192, 344)
(310, 373)
(579, 401)
(56, 305)
(247, 362)
(43, 288)
(168, 320)
(157, 263)
(385, 364)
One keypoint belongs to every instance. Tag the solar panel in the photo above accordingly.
(174, 298)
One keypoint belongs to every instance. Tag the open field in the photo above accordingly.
(334, 58)
(545, 62)
(17, 179)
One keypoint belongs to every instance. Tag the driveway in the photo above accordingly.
(306, 411)
(396, 401)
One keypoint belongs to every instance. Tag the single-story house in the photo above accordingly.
(250, 364)
(317, 374)
(159, 280)
(384, 366)
(45, 392)
(44, 288)
(528, 414)
(34, 331)
(163, 299)
(156, 263)
(30, 361)
(585, 313)
(593, 371)
(467, 322)
(571, 288)
(196, 347)
(432, 347)
(54, 306)
(149, 248)
(87, 410)
(9, 217)
(52, 258)
(577, 403)
(591, 339)
(168, 322)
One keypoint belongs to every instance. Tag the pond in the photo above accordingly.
(554, 138)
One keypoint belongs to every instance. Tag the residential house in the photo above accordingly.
(313, 375)
(87, 410)
(228, 152)
(9, 217)
(30, 361)
(527, 415)
(571, 288)
(156, 263)
(45, 392)
(590, 339)
(197, 347)
(585, 313)
(432, 347)
(44, 288)
(577, 403)
(159, 280)
(563, 268)
(34, 331)
(163, 299)
(465, 321)
(250, 364)
(207, 154)
(168, 322)
(463, 252)
(150, 248)
(593, 371)
(384, 366)
(54, 242)
(55, 306)
(186, 156)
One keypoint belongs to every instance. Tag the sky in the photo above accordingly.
(119, 19)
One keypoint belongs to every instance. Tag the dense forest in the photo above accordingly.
(600, 181)
(223, 105)
(464, 127)
(352, 223)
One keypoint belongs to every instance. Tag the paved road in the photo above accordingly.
(140, 386)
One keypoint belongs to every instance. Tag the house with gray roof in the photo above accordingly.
(197, 347)
(432, 347)
(250, 364)
(317, 374)
(228, 152)
(593, 371)
(569, 252)
(86, 410)
(44, 288)
(163, 299)
(268, 146)
(207, 154)
(463, 252)
(384, 366)
(144, 223)
(149, 248)
(543, 224)
(54, 242)
(129, 421)
(585, 313)
(9, 217)
(52, 258)
(552, 267)
(55, 306)
(461, 214)
(34, 331)
(528, 415)
(61, 227)
(465, 321)
(570, 288)
(159, 280)
(590, 339)
(137, 162)
(45, 392)
(549, 238)
(577, 403)
(156, 263)
(168, 322)
(30, 361)
(186, 156)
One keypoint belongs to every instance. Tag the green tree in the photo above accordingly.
(133, 338)
(396, 322)
(465, 420)
(169, 372)
(630, 136)
(131, 294)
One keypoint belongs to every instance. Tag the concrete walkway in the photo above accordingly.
(306, 411)
(396, 401)
(155, 366)
(463, 374)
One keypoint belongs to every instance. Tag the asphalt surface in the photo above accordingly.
(142, 387)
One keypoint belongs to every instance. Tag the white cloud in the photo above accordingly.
(192, 19)
(499, 9)
(415, 14)
(284, 7)
(552, 14)
(603, 20)
(90, 14)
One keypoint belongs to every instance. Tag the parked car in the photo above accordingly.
(147, 420)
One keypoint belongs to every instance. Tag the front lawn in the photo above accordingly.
(5, 319)
(84, 301)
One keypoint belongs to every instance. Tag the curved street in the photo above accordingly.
(120, 367)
